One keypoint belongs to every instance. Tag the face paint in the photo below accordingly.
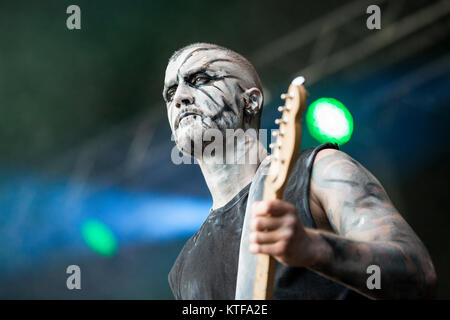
(203, 88)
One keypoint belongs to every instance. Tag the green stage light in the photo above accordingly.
(99, 237)
(328, 120)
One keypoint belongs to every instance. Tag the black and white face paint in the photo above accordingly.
(204, 88)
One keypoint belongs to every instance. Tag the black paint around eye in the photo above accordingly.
(200, 79)
(170, 93)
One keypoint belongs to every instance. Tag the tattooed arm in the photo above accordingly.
(368, 230)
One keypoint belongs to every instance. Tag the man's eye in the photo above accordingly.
(201, 80)
(170, 93)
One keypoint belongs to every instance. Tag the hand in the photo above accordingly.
(278, 231)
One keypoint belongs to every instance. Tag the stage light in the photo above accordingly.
(99, 237)
(328, 120)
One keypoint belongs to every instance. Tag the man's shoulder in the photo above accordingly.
(327, 159)
(332, 162)
(328, 153)
(309, 157)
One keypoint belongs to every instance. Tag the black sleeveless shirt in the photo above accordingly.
(207, 266)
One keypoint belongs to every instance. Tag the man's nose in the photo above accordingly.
(183, 96)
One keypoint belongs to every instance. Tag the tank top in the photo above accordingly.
(207, 266)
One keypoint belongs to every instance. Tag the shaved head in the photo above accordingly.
(232, 54)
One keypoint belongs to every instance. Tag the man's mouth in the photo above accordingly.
(186, 114)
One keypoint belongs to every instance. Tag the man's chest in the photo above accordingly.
(206, 268)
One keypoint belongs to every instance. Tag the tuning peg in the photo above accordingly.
(284, 96)
(278, 121)
(275, 145)
(282, 108)
(277, 133)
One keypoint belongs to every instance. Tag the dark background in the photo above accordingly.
(84, 133)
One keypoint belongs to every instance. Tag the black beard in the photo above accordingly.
(194, 146)
(192, 143)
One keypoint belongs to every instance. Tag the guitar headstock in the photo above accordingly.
(285, 149)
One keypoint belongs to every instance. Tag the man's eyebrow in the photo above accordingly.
(204, 68)
(193, 72)
(188, 74)
(169, 84)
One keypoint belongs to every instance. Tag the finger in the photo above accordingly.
(265, 223)
(276, 249)
(273, 207)
(271, 236)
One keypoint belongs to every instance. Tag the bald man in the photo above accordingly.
(334, 226)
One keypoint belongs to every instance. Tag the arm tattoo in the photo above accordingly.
(369, 231)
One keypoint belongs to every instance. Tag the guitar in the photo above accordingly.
(282, 159)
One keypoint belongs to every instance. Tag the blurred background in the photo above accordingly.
(86, 176)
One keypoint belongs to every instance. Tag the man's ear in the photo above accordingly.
(253, 101)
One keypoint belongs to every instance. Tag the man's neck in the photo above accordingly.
(226, 180)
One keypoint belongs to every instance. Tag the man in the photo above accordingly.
(335, 221)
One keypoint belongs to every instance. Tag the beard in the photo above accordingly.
(189, 136)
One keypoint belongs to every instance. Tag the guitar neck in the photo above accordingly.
(283, 160)
(265, 268)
